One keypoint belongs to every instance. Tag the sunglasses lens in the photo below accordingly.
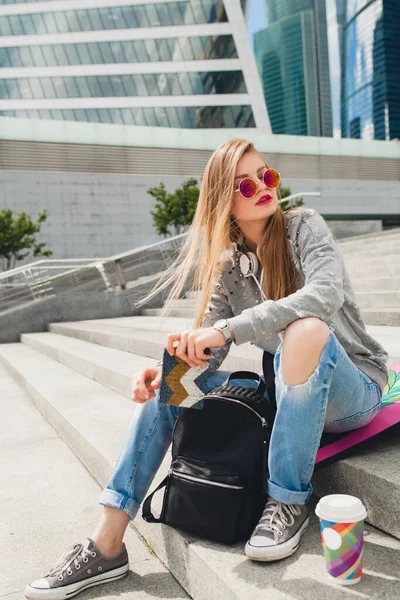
(271, 178)
(247, 188)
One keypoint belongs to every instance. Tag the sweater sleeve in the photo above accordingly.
(218, 307)
(321, 296)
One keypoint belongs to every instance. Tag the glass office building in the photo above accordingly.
(161, 63)
(292, 58)
(371, 70)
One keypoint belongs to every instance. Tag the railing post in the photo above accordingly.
(120, 274)
(100, 267)
(28, 282)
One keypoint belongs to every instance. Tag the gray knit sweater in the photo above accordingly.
(326, 294)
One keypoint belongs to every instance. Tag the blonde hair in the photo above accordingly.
(213, 231)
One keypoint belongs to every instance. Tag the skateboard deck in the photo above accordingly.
(336, 446)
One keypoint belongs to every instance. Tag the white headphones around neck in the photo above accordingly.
(249, 266)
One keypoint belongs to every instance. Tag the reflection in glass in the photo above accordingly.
(116, 17)
(149, 84)
(202, 117)
(371, 78)
(293, 62)
(152, 50)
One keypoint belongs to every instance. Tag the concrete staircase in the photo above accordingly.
(372, 261)
(79, 377)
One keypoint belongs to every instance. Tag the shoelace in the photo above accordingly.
(69, 556)
(277, 516)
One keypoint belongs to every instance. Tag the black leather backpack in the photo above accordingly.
(216, 485)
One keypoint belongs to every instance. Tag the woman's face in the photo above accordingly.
(245, 209)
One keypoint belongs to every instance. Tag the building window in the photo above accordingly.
(200, 117)
(148, 84)
(125, 51)
(115, 17)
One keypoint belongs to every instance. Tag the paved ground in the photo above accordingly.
(43, 482)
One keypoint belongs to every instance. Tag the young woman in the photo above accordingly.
(299, 305)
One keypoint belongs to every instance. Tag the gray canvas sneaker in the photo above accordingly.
(80, 567)
(278, 532)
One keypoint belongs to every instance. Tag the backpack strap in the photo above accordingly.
(248, 375)
(147, 515)
(269, 378)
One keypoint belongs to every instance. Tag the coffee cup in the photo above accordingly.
(342, 532)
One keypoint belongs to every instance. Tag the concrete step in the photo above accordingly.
(370, 238)
(49, 516)
(367, 284)
(138, 340)
(378, 316)
(384, 262)
(113, 368)
(369, 468)
(389, 337)
(146, 336)
(357, 271)
(382, 316)
(93, 421)
(174, 312)
(184, 302)
(379, 248)
(375, 281)
(366, 299)
(383, 299)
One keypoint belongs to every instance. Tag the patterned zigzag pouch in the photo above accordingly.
(181, 384)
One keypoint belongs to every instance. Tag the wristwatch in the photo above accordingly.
(223, 326)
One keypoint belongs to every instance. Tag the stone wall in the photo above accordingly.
(95, 215)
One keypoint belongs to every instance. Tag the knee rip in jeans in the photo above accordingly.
(305, 384)
(314, 375)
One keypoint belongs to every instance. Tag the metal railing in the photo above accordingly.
(40, 279)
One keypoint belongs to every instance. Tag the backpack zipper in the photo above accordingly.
(265, 442)
(204, 481)
(263, 421)
(265, 445)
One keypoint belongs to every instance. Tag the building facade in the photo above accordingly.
(370, 97)
(293, 62)
(181, 63)
(334, 17)
(93, 178)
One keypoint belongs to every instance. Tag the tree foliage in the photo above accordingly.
(175, 209)
(18, 237)
(285, 205)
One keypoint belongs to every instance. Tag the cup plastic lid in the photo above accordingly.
(341, 508)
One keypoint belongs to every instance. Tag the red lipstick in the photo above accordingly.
(264, 199)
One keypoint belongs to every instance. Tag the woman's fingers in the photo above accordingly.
(185, 348)
(192, 353)
(156, 382)
(142, 385)
(172, 341)
(182, 350)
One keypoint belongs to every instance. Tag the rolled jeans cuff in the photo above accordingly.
(287, 496)
(116, 500)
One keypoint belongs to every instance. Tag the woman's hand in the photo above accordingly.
(145, 383)
(190, 345)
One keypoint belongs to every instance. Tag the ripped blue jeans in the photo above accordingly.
(336, 397)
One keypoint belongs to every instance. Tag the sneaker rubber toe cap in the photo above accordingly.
(40, 584)
(260, 541)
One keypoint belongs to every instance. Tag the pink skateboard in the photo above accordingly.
(335, 446)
